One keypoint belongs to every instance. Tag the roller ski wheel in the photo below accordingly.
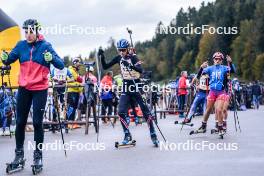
(18, 163)
(122, 145)
(37, 165)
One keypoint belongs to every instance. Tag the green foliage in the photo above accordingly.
(166, 55)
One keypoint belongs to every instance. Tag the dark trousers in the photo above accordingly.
(26, 98)
(125, 101)
(107, 104)
(72, 100)
(181, 103)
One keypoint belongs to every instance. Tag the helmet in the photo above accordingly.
(91, 69)
(218, 55)
(75, 60)
(31, 23)
(122, 44)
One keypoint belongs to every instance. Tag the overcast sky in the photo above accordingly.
(104, 18)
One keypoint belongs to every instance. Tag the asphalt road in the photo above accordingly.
(237, 154)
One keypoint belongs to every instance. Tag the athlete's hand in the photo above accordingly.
(205, 64)
(4, 56)
(125, 63)
(228, 58)
(47, 56)
(100, 52)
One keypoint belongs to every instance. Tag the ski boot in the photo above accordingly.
(127, 142)
(221, 132)
(202, 129)
(215, 130)
(18, 163)
(154, 139)
(37, 162)
(186, 121)
(127, 138)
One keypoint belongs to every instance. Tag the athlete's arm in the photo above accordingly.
(136, 64)
(114, 61)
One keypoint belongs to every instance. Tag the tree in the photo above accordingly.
(258, 67)
(207, 47)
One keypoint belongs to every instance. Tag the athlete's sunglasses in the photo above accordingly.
(122, 50)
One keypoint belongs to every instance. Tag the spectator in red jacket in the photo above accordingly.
(182, 92)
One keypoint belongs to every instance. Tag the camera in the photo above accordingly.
(89, 64)
(5, 68)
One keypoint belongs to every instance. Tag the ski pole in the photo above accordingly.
(56, 103)
(130, 35)
(188, 111)
(99, 81)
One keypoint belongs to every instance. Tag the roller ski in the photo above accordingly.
(18, 163)
(186, 122)
(37, 163)
(127, 142)
(154, 139)
(202, 129)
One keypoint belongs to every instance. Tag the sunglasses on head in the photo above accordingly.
(122, 50)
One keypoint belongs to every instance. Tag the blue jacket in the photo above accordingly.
(34, 69)
(217, 75)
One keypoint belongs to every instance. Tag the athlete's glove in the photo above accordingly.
(4, 56)
(126, 64)
(48, 56)
(100, 52)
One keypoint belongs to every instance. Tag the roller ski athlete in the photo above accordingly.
(200, 98)
(217, 94)
(34, 52)
(130, 70)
